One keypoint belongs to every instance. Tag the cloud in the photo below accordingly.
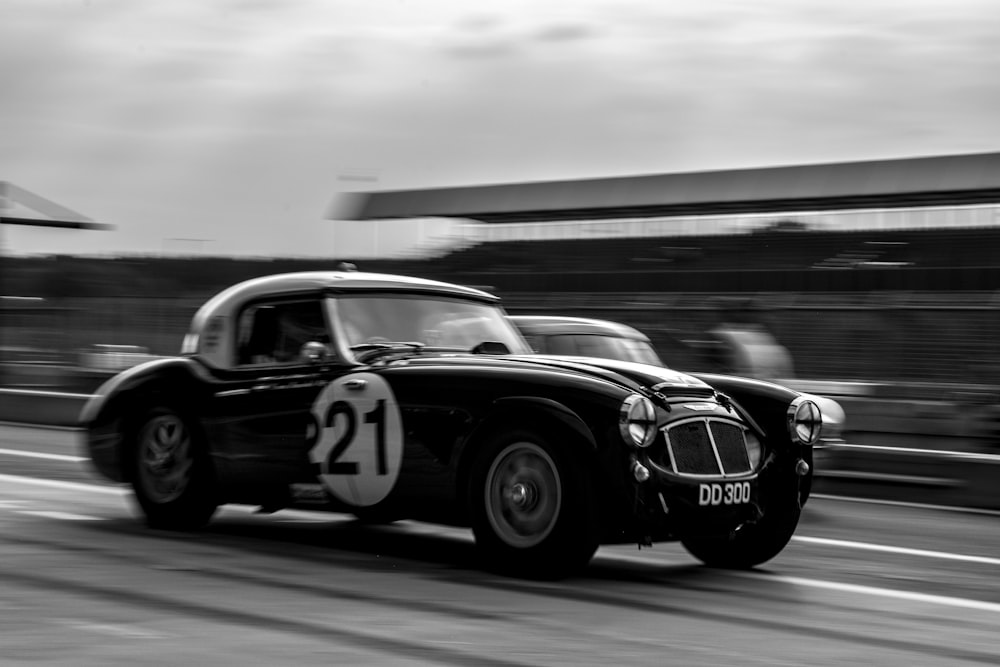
(489, 36)
(496, 48)
(233, 120)
(565, 32)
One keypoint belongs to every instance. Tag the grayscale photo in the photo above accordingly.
(561, 332)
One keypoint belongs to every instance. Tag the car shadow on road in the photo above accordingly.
(446, 552)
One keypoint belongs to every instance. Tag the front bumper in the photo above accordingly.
(670, 506)
(707, 507)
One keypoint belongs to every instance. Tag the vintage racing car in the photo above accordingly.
(394, 397)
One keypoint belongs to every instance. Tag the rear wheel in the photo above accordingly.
(171, 476)
(531, 506)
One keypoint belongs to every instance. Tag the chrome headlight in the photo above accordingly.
(637, 421)
(834, 417)
(754, 449)
(805, 422)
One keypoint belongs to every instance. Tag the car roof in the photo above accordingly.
(558, 324)
(215, 319)
(336, 281)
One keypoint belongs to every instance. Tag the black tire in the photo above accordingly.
(376, 515)
(751, 545)
(532, 506)
(171, 476)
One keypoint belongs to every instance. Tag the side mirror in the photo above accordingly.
(314, 352)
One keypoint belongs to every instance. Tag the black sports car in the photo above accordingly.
(393, 397)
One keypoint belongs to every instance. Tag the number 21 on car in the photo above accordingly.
(359, 439)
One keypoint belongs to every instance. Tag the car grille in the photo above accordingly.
(706, 446)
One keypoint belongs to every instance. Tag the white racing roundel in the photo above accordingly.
(359, 443)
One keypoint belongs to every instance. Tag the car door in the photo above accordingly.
(261, 410)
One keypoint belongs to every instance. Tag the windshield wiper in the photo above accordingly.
(368, 352)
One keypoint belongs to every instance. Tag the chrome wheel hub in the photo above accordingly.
(520, 495)
(523, 494)
(165, 458)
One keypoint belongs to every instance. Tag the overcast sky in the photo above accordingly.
(226, 127)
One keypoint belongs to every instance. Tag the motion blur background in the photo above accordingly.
(821, 170)
(910, 302)
(828, 170)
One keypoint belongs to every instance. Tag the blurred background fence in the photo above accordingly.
(877, 336)
(876, 305)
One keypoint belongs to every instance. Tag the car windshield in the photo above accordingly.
(607, 347)
(433, 321)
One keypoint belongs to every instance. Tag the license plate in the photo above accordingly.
(724, 493)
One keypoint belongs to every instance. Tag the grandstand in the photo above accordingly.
(877, 272)
(881, 270)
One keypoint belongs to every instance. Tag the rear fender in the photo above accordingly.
(109, 416)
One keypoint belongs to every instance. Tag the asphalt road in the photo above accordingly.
(84, 582)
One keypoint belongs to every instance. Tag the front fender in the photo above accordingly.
(767, 403)
(551, 408)
(545, 410)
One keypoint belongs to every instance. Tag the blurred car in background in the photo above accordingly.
(392, 397)
(587, 337)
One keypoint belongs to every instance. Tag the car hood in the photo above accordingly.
(658, 378)
(631, 376)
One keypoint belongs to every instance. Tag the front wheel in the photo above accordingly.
(532, 506)
(752, 544)
(171, 477)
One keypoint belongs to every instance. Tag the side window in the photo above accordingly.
(274, 333)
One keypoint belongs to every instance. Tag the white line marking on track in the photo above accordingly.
(111, 629)
(43, 392)
(39, 427)
(909, 596)
(865, 546)
(891, 593)
(938, 453)
(965, 603)
(59, 484)
(903, 503)
(42, 455)
(62, 516)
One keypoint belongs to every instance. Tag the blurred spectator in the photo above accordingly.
(742, 344)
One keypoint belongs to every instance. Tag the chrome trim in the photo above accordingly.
(701, 407)
(624, 420)
(663, 503)
(814, 418)
(751, 470)
(232, 392)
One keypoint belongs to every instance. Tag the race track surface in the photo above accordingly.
(85, 582)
